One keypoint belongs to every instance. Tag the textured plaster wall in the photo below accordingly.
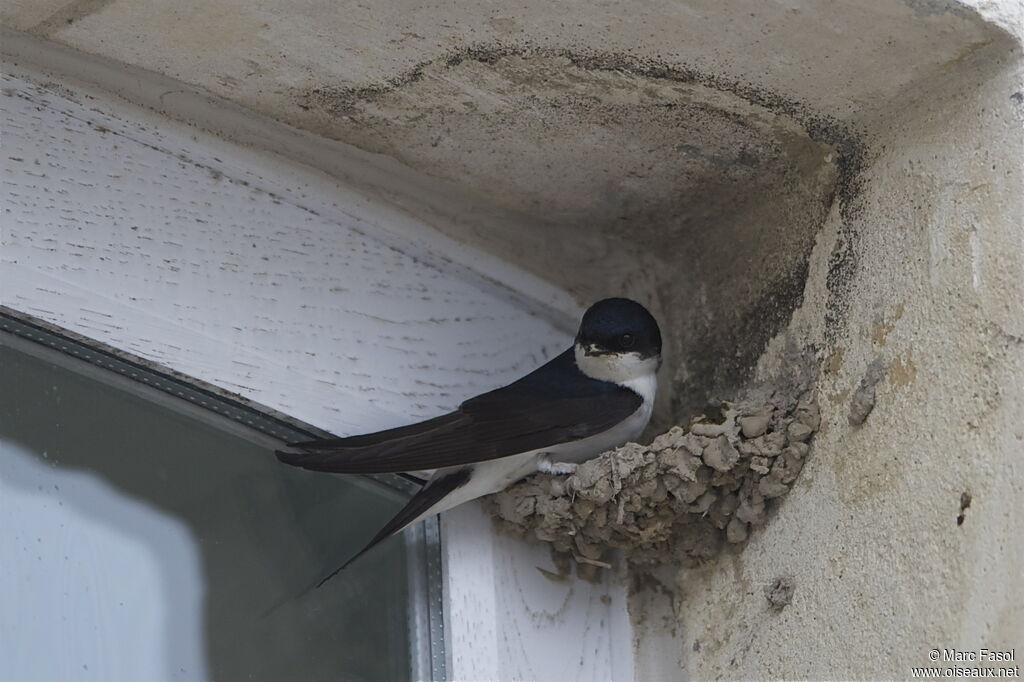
(841, 177)
(870, 537)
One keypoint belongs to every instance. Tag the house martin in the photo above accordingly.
(595, 396)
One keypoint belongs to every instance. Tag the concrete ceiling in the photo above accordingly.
(571, 114)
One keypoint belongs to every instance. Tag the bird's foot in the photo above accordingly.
(546, 466)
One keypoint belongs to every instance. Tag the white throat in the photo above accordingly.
(626, 369)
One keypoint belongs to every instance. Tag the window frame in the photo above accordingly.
(423, 541)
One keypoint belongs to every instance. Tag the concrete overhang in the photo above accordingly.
(684, 154)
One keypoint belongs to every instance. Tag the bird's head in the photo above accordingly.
(618, 340)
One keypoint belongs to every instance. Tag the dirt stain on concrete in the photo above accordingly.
(903, 371)
(883, 325)
(699, 195)
(67, 15)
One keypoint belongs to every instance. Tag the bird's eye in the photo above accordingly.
(627, 340)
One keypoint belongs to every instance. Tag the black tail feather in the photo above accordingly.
(427, 497)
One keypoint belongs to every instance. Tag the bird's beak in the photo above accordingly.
(591, 350)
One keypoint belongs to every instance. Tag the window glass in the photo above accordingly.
(142, 542)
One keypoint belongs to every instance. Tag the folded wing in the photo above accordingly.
(529, 414)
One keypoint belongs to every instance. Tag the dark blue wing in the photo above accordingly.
(552, 405)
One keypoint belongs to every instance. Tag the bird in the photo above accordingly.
(595, 396)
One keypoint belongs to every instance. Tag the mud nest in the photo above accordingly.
(677, 500)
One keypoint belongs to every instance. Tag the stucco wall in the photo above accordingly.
(842, 177)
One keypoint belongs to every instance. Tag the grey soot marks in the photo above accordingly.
(965, 502)
(863, 400)
(67, 15)
(779, 592)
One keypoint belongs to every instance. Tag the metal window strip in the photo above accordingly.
(423, 542)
